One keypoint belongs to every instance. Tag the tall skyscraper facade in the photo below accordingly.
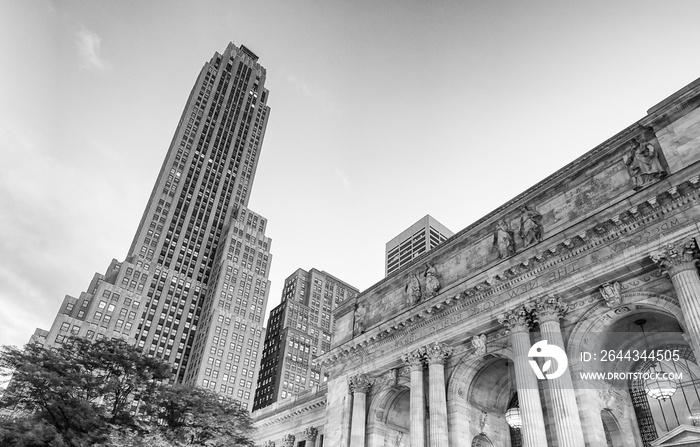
(417, 239)
(299, 330)
(172, 272)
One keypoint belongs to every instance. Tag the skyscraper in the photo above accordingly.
(155, 297)
(417, 239)
(299, 330)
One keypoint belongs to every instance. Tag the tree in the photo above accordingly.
(86, 393)
(201, 417)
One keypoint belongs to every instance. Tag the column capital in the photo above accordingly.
(269, 444)
(549, 308)
(676, 260)
(414, 359)
(360, 383)
(516, 320)
(289, 440)
(436, 353)
(310, 433)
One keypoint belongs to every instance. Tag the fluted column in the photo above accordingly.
(680, 264)
(415, 361)
(567, 422)
(310, 433)
(518, 321)
(436, 355)
(360, 385)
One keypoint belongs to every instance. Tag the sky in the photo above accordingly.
(382, 112)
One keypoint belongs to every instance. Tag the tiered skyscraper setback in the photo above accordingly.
(299, 330)
(172, 283)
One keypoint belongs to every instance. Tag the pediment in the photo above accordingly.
(683, 435)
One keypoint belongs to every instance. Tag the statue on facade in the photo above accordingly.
(504, 239)
(413, 289)
(360, 313)
(479, 344)
(432, 284)
(643, 163)
(611, 294)
(531, 231)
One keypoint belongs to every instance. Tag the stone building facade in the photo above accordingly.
(589, 271)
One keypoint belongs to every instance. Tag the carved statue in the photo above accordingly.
(643, 164)
(413, 289)
(432, 284)
(531, 231)
(479, 344)
(611, 294)
(503, 240)
(360, 313)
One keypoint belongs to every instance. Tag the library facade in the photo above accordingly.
(569, 316)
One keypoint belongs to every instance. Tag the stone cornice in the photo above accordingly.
(294, 411)
(652, 204)
(590, 157)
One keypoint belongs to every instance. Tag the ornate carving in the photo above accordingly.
(674, 261)
(360, 383)
(379, 415)
(517, 320)
(432, 284)
(504, 239)
(482, 421)
(310, 433)
(288, 440)
(269, 444)
(643, 163)
(531, 231)
(437, 352)
(413, 359)
(479, 344)
(413, 289)
(360, 314)
(549, 308)
(611, 294)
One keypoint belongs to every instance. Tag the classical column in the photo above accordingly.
(517, 321)
(436, 355)
(680, 264)
(415, 361)
(548, 310)
(360, 385)
(310, 433)
(288, 440)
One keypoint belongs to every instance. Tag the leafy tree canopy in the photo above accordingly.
(106, 393)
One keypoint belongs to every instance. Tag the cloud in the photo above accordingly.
(314, 93)
(89, 50)
(344, 179)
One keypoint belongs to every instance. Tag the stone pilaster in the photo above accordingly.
(360, 385)
(517, 321)
(311, 433)
(567, 422)
(415, 361)
(436, 355)
(680, 264)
